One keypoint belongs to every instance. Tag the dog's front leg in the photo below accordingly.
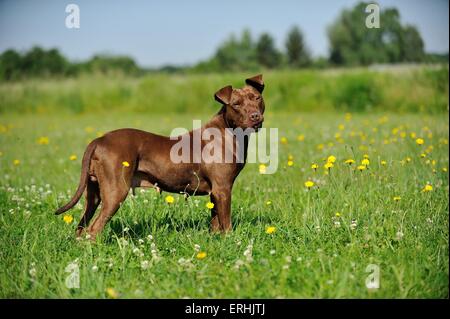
(221, 212)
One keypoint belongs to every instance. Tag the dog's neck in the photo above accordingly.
(220, 122)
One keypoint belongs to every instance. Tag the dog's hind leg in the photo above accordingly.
(92, 202)
(113, 191)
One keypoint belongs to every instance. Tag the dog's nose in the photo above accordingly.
(255, 117)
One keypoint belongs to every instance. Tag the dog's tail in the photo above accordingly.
(83, 178)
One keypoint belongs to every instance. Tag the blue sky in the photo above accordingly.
(183, 32)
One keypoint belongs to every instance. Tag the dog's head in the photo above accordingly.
(243, 107)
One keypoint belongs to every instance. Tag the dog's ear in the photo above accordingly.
(257, 82)
(224, 95)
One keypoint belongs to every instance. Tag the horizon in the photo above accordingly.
(159, 34)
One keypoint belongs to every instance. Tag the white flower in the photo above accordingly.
(399, 235)
(272, 252)
(126, 229)
(238, 264)
(32, 272)
(94, 268)
(197, 247)
(288, 259)
(353, 224)
(145, 264)
(337, 224)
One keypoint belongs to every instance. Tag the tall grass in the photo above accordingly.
(417, 90)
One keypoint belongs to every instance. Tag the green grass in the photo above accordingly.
(406, 90)
(307, 257)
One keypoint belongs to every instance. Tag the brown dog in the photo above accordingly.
(128, 158)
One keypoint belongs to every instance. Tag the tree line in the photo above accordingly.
(351, 44)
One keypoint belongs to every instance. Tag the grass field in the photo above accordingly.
(288, 241)
(323, 241)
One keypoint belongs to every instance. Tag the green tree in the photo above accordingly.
(10, 65)
(266, 52)
(296, 51)
(352, 43)
(237, 54)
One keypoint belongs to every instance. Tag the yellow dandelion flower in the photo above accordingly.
(341, 127)
(420, 141)
(350, 161)
(423, 155)
(309, 184)
(112, 293)
(201, 255)
(427, 188)
(268, 203)
(290, 163)
(314, 166)
(301, 138)
(16, 162)
(338, 214)
(209, 205)
(73, 157)
(284, 140)
(331, 159)
(348, 116)
(397, 198)
(169, 199)
(384, 163)
(361, 168)
(68, 219)
(413, 135)
(290, 157)
(365, 156)
(328, 165)
(262, 169)
(270, 230)
(43, 140)
(365, 162)
(408, 159)
(444, 169)
(125, 164)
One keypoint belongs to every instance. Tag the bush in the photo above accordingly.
(357, 93)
